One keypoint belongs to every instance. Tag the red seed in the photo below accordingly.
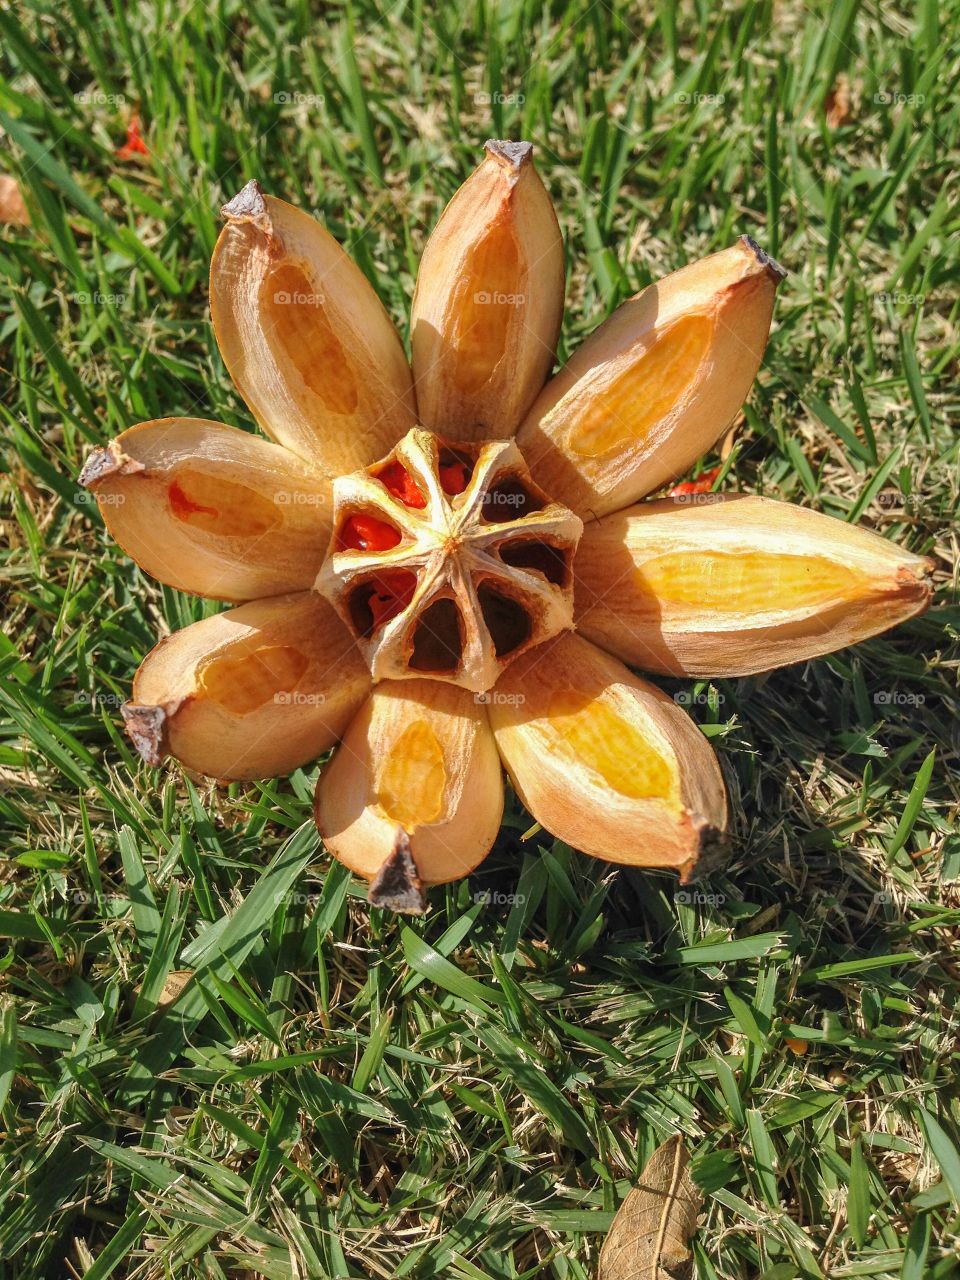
(453, 477)
(367, 533)
(400, 483)
(703, 485)
(393, 592)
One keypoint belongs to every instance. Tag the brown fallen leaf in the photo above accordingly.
(173, 987)
(837, 104)
(12, 209)
(648, 1239)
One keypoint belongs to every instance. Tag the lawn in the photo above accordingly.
(340, 1091)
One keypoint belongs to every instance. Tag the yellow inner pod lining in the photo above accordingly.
(624, 412)
(489, 300)
(223, 507)
(298, 329)
(413, 778)
(243, 682)
(589, 732)
(740, 581)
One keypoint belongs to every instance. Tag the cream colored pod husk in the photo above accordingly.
(211, 509)
(419, 758)
(306, 339)
(711, 585)
(489, 300)
(653, 388)
(250, 693)
(605, 761)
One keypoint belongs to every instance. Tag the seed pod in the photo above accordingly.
(446, 560)
(212, 510)
(605, 761)
(652, 389)
(489, 300)
(419, 756)
(728, 586)
(250, 693)
(305, 337)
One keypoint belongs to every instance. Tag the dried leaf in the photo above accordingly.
(837, 105)
(174, 984)
(649, 1236)
(13, 211)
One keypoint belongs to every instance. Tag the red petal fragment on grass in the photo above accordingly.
(134, 145)
(703, 485)
(401, 484)
(393, 591)
(453, 477)
(367, 533)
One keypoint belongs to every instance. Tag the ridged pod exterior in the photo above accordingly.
(714, 586)
(654, 387)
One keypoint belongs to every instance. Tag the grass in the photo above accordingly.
(339, 1092)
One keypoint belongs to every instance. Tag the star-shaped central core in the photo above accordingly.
(448, 562)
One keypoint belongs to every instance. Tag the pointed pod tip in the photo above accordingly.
(777, 272)
(713, 851)
(397, 884)
(513, 154)
(913, 579)
(146, 727)
(109, 461)
(248, 204)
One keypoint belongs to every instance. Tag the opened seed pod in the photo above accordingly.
(728, 586)
(414, 564)
(448, 561)
(420, 758)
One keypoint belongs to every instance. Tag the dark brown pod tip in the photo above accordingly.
(773, 266)
(146, 729)
(714, 853)
(397, 884)
(110, 461)
(248, 203)
(515, 154)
